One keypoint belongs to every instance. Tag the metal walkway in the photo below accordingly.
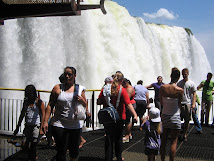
(199, 147)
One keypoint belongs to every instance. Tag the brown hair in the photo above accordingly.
(175, 75)
(117, 78)
(185, 70)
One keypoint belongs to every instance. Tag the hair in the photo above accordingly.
(61, 78)
(118, 72)
(125, 80)
(30, 89)
(158, 128)
(210, 74)
(73, 71)
(117, 78)
(159, 77)
(175, 74)
(72, 68)
(140, 82)
(185, 70)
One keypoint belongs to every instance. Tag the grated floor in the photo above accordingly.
(199, 147)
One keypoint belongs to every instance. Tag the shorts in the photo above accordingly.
(141, 107)
(149, 151)
(186, 112)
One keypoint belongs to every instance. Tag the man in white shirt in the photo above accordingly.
(188, 99)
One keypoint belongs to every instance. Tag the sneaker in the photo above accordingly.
(125, 140)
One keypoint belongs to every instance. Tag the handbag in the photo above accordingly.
(110, 114)
(80, 111)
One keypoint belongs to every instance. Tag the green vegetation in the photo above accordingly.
(188, 31)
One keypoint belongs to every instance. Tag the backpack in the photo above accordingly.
(110, 114)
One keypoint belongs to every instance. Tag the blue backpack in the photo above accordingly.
(109, 114)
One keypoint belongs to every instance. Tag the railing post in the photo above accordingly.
(92, 110)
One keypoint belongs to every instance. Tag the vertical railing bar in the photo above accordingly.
(93, 110)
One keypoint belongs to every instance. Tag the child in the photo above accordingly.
(151, 103)
(34, 111)
(151, 124)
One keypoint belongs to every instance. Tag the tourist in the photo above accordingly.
(152, 126)
(142, 99)
(114, 131)
(156, 87)
(170, 98)
(66, 128)
(188, 100)
(128, 124)
(207, 98)
(34, 111)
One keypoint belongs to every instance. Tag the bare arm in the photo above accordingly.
(43, 116)
(20, 118)
(149, 86)
(147, 98)
(200, 86)
(181, 92)
(132, 110)
(82, 99)
(144, 120)
(194, 100)
(50, 106)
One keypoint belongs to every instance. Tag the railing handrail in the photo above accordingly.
(46, 91)
(8, 107)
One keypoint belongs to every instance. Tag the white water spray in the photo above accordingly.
(35, 50)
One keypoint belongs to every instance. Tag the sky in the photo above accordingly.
(197, 15)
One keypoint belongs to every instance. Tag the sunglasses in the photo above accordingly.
(69, 74)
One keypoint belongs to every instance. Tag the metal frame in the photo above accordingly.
(47, 8)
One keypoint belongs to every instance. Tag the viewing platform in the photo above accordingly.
(199, 147)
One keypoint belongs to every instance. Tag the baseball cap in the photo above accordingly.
(154, 114)
(108, 79)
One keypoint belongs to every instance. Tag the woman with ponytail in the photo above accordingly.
(114, 131)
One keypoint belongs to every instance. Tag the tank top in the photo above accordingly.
(64, 113)
(132, 96)
(32, 116)
(170, 106)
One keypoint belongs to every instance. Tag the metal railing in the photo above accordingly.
(10, 110)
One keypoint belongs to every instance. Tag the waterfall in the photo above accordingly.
(35, 50)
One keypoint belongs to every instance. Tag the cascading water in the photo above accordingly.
(35, 50)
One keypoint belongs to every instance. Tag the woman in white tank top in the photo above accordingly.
(170, 98)
(66, 129)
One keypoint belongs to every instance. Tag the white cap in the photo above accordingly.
(154, 114)
(108, 79)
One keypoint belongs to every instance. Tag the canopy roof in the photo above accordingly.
(10, 9)
(37, 1)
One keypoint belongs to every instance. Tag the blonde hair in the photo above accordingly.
(156, 126)
(118, 77)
